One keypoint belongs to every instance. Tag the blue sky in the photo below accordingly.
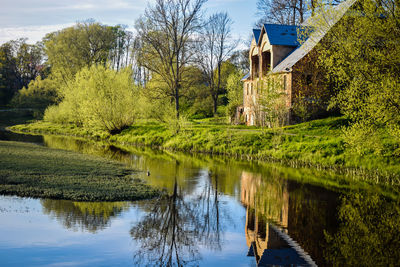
(35, 18)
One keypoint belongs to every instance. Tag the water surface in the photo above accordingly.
(215, 212)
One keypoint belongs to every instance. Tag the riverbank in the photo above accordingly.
(31, 170)
(316, 144)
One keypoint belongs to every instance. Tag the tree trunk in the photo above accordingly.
(215, 104)
(217, 89)
(301, 11)
(177, 85)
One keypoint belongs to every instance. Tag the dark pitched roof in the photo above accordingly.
(256, 33)
(281, 257)
(282, 34)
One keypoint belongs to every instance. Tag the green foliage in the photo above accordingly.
(368, 233)
(98, 97)
(273, 109)
(91, 216)
(30, 170)
(234, 88)
(19, 64)
(81, 45)
(362, 55)
(195, 101)
(227, 68)
(40, 93)
(317, 144)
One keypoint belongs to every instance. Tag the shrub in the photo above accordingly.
(98, 97)
(39, 94)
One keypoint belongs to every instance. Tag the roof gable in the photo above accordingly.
(256, 34)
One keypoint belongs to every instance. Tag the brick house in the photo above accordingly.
(284, 56)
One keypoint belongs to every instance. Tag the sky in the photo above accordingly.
(34, 18)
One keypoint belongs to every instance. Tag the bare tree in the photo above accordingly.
(288, 12)
(215, 47)
(166, 29)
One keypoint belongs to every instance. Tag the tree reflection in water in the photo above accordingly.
(86, 216)
(368, 234)
(176, 226)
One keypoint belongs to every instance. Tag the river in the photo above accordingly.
(216, 211)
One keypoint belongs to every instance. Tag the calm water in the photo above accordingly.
(216, 212)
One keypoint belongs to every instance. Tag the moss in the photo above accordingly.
(30, 170)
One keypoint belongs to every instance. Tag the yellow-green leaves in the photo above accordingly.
(98, 97)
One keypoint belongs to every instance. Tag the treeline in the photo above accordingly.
(178, 64)
(20, 63)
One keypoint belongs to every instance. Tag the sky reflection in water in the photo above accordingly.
(215, 212)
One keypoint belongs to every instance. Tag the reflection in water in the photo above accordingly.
(168, 233)
(272, 201)
(10, 136)
(177, 225)
(195, 212)
(86, 216)
(266, 203)
(270, 198)
(368, 234)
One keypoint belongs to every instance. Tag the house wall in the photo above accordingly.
(253, 90)
(310, 88)
(279, 53)
(253, 86)
(250, 96)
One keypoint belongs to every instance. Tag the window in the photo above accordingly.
(284, 82)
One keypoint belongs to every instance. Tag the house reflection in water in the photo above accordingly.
(267, 208)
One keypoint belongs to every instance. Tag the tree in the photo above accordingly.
(82, 45)
(98, 97)
(288, 12)
(8, 73)
(166, 30)
(194, 97)
(20, 63)
(362, 56)
(272, 108)
(235, 93)
(368, 225)
(241, 60)
(214, 49)
(40, 93)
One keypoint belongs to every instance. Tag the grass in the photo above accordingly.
(317, 144)
(30, 170)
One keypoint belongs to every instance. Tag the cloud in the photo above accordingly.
(33, 33)
(18, 13)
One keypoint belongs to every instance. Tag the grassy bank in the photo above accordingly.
(315, 144)
(30, 170)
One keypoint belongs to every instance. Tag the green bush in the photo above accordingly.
(98, 97)
(39, 94)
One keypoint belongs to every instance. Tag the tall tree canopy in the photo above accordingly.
(20, 63)
(84, 44)
(362, 54)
